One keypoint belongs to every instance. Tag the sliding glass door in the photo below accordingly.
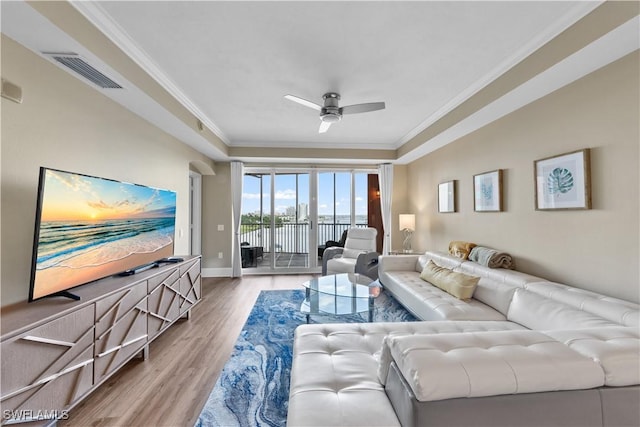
(275, 221)
(291, 230)
(255, 222)
(288, 214)
(342, 203)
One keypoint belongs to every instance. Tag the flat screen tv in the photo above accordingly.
(88, 228)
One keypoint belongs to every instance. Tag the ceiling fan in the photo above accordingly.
(331, 112)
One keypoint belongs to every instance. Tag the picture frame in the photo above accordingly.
(563, 182)
(447, 197)
(487, 191)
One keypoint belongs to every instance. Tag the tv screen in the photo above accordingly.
(88, 228)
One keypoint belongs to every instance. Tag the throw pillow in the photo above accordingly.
(461, 249)
(460, 285)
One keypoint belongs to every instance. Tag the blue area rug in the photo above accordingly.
(253, 388)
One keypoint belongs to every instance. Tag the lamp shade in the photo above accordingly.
(407, 222)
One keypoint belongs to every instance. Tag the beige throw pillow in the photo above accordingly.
(461, 249)
(459, 285)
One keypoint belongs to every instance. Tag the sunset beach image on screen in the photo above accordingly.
(91, 228)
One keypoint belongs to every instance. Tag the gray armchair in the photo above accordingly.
(357, 256)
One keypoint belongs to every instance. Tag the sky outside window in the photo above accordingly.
(251, 194)
(343, 193)
(285, 194)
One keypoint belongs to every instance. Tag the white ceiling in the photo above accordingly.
(236, 60)
(231, 63)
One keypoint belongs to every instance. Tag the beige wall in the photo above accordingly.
(597, 249)
(399, 205)
(65, 124)
(216, 208)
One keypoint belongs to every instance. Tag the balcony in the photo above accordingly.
(291, 240)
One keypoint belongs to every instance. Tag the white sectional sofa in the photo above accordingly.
(523, 352)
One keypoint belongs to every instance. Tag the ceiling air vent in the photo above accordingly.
(78, 65)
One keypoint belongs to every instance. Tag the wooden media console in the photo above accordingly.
(56, 351)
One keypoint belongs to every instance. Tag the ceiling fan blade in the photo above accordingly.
(303, 102)
(362, 108)
(324, 126)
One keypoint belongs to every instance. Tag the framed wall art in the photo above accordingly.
(563, 182)
(447, 197)
(487, 191)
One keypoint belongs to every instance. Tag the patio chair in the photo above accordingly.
(250, 254)
(332, 243)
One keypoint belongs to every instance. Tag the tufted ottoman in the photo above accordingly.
(334, 377)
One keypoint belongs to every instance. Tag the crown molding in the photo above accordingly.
(95, 14)
(598, 54)
(561, 24)
(315, 145)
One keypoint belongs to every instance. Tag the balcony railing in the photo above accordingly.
(290, 237)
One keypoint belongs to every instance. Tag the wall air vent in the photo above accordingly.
(77, 64)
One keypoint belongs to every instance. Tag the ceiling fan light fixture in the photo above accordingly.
(330, 117)
(331, 112)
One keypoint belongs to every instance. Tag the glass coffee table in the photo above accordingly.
(340, 294)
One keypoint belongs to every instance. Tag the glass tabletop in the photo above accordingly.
(340, 294)
(351, 285)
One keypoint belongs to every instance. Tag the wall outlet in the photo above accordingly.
(220, 255)
(220, 228)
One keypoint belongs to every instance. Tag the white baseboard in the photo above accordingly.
(216, 272)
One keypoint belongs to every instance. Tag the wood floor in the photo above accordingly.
(171, 387)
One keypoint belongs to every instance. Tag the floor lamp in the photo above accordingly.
(407, 226)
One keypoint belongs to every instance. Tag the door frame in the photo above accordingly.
(195, 213)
